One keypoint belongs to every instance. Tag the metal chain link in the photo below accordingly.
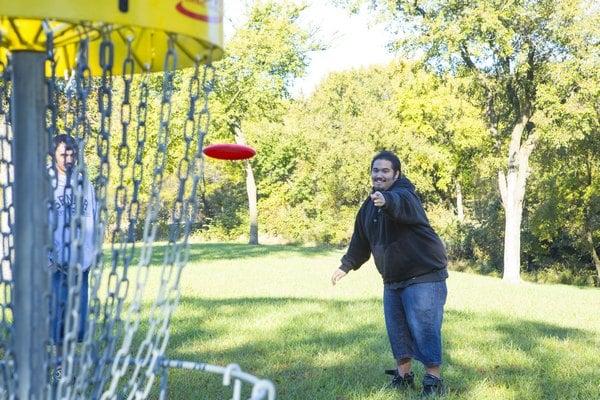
(108, 353)
(103, 345)
(80, 365)
(189, 206)
(123, 235)
(51, 127)
(144, 356)
(122, 359)
(76, 184)
(52, 106)
(8, 378)
(184, 209)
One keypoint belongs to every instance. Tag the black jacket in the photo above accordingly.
(398, 235)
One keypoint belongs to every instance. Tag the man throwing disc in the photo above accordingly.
(392, 225)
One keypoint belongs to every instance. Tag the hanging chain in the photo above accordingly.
(170, 272)
(77, 186)
(52, 105)
(94, 369)
(122, 242)
(79, 367)
(51, 122)
(98, 340)
(7, 215)
(122, 358)
(103, 346)
(184, 210)
(147, 356)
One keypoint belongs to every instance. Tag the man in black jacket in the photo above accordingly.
(392, 225)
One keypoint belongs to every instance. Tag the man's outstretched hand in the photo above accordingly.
(337, 275)
(378, 199)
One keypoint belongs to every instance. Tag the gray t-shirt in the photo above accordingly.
(65, 201)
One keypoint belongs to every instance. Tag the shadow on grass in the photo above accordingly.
(526, 359)
(337, 350)
(235, 251)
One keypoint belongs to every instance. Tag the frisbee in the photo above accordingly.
(229, 151)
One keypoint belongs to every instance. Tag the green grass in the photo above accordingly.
(272, 310)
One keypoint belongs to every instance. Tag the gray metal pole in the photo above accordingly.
(30, 146)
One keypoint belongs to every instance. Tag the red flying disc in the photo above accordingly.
(229, 151)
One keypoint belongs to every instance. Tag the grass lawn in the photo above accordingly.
(273, 311)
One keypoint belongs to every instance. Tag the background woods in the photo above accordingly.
(493, 108)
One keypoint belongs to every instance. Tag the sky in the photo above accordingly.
(354, 40)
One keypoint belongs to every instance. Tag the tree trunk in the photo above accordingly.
(588, 218)
(513, 210)
(252, 203)
(594, 253)
(512, 190)
(250, 188)
(460, 211)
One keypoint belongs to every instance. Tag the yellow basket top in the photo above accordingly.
(196, 27)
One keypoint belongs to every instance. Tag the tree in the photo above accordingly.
(263, 58)
(447, 132)
(568, 202)
(506, 49)
(318, 160)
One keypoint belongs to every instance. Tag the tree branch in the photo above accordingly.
(233, 99)
(466, 56)
(592, 247)
(524, 154)
(419, 9)
(491, 115)
(514, 148)
(513, 97)
(505, 63)
(530, 87)
(502, 186)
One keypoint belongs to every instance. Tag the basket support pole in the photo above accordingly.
(30, 144)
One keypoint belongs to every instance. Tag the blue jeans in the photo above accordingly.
(413, 319)
(59, 303)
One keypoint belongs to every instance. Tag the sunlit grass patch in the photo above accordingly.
(276, 315)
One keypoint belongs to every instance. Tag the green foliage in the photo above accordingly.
(563, 274)
(318, 161)
(565, 200)
(262, 59)
(531, 66)
(449, 122)
(252, 87)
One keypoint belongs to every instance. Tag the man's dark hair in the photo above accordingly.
(391, 157)
(68, 140)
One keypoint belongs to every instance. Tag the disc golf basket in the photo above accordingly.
(129, 81)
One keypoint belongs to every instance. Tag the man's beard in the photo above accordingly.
(377, 189)
(384, 185)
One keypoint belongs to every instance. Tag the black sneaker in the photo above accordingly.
(401, 382)
(433, 386)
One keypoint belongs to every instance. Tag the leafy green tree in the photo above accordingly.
(262, 59)
(568, 193)
(443, 131)
(322, 151)
(507, 50)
